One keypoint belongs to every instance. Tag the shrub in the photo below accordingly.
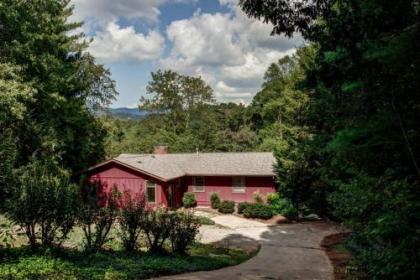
(189, 200)
(258, 210)
(226, 207)
(258, 197)
(44, 202)
(97, 215)
(289, 211)
(276, 203)
(273, 198)
(282, 206)
(156, 227)
(242, 206)
(131, 219)
(214, 200)
(183, 230)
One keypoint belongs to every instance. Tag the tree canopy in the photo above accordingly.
(66, 83)
(362, 158)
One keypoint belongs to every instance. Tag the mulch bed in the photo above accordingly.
(339, 260)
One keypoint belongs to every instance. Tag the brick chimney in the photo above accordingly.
(160, 150)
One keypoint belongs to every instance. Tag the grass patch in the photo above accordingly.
(21, 263)
(205, 220)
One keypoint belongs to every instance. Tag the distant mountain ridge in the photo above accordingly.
(127, 113)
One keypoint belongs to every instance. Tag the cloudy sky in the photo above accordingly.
(208, 38)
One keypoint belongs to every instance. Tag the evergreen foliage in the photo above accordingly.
(226, 207)
(43, 203)
(188, 200)
(360, 163)
(56, 78)
(214, 200)
(258, 210)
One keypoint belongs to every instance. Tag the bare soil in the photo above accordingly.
(339, 258)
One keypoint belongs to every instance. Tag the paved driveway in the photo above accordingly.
(289, 251)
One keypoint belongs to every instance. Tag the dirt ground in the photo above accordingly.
(339, 258)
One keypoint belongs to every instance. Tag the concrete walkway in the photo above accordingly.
(289, 251)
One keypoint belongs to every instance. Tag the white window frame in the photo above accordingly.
(241, 188)
(194, 187)
(147, 191)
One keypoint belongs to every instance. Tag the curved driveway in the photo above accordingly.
(289, 251)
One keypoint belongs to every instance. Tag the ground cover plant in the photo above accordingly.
(22, 263)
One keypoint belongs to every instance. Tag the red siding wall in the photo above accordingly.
(223, 186)
(126, 180)
(135, 182)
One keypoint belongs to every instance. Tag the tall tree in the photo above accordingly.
(364, 117)
(177, 96)
(16, 98)
(68, 84)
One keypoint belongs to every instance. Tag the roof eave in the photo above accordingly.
(129, 167)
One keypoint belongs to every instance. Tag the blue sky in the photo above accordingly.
(208, 38)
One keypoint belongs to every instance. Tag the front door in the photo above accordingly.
(175, 193)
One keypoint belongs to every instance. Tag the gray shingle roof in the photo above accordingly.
(171, 166)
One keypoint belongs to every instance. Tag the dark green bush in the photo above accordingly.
(188, 200)
(183, 230)
(97, 215)
(156, 228)
(226, 207)
(289, 211)
(160, 225)
(242, 206)
(214, 200)
(282, 206)
(44, 202)
(258, 210)
(131, 219)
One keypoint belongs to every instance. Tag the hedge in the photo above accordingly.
(242, 206)
(258, 210)
(226, 207)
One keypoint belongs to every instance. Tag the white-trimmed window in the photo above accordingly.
(238, 184)
(198, 184)
(150, 192)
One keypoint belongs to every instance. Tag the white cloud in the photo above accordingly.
(125, 44)
(230, 50)
(204, 40)
(103, 11)
(228, 2)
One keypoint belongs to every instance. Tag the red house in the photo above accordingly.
(165, 177)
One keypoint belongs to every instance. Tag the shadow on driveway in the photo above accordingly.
(290, 251)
